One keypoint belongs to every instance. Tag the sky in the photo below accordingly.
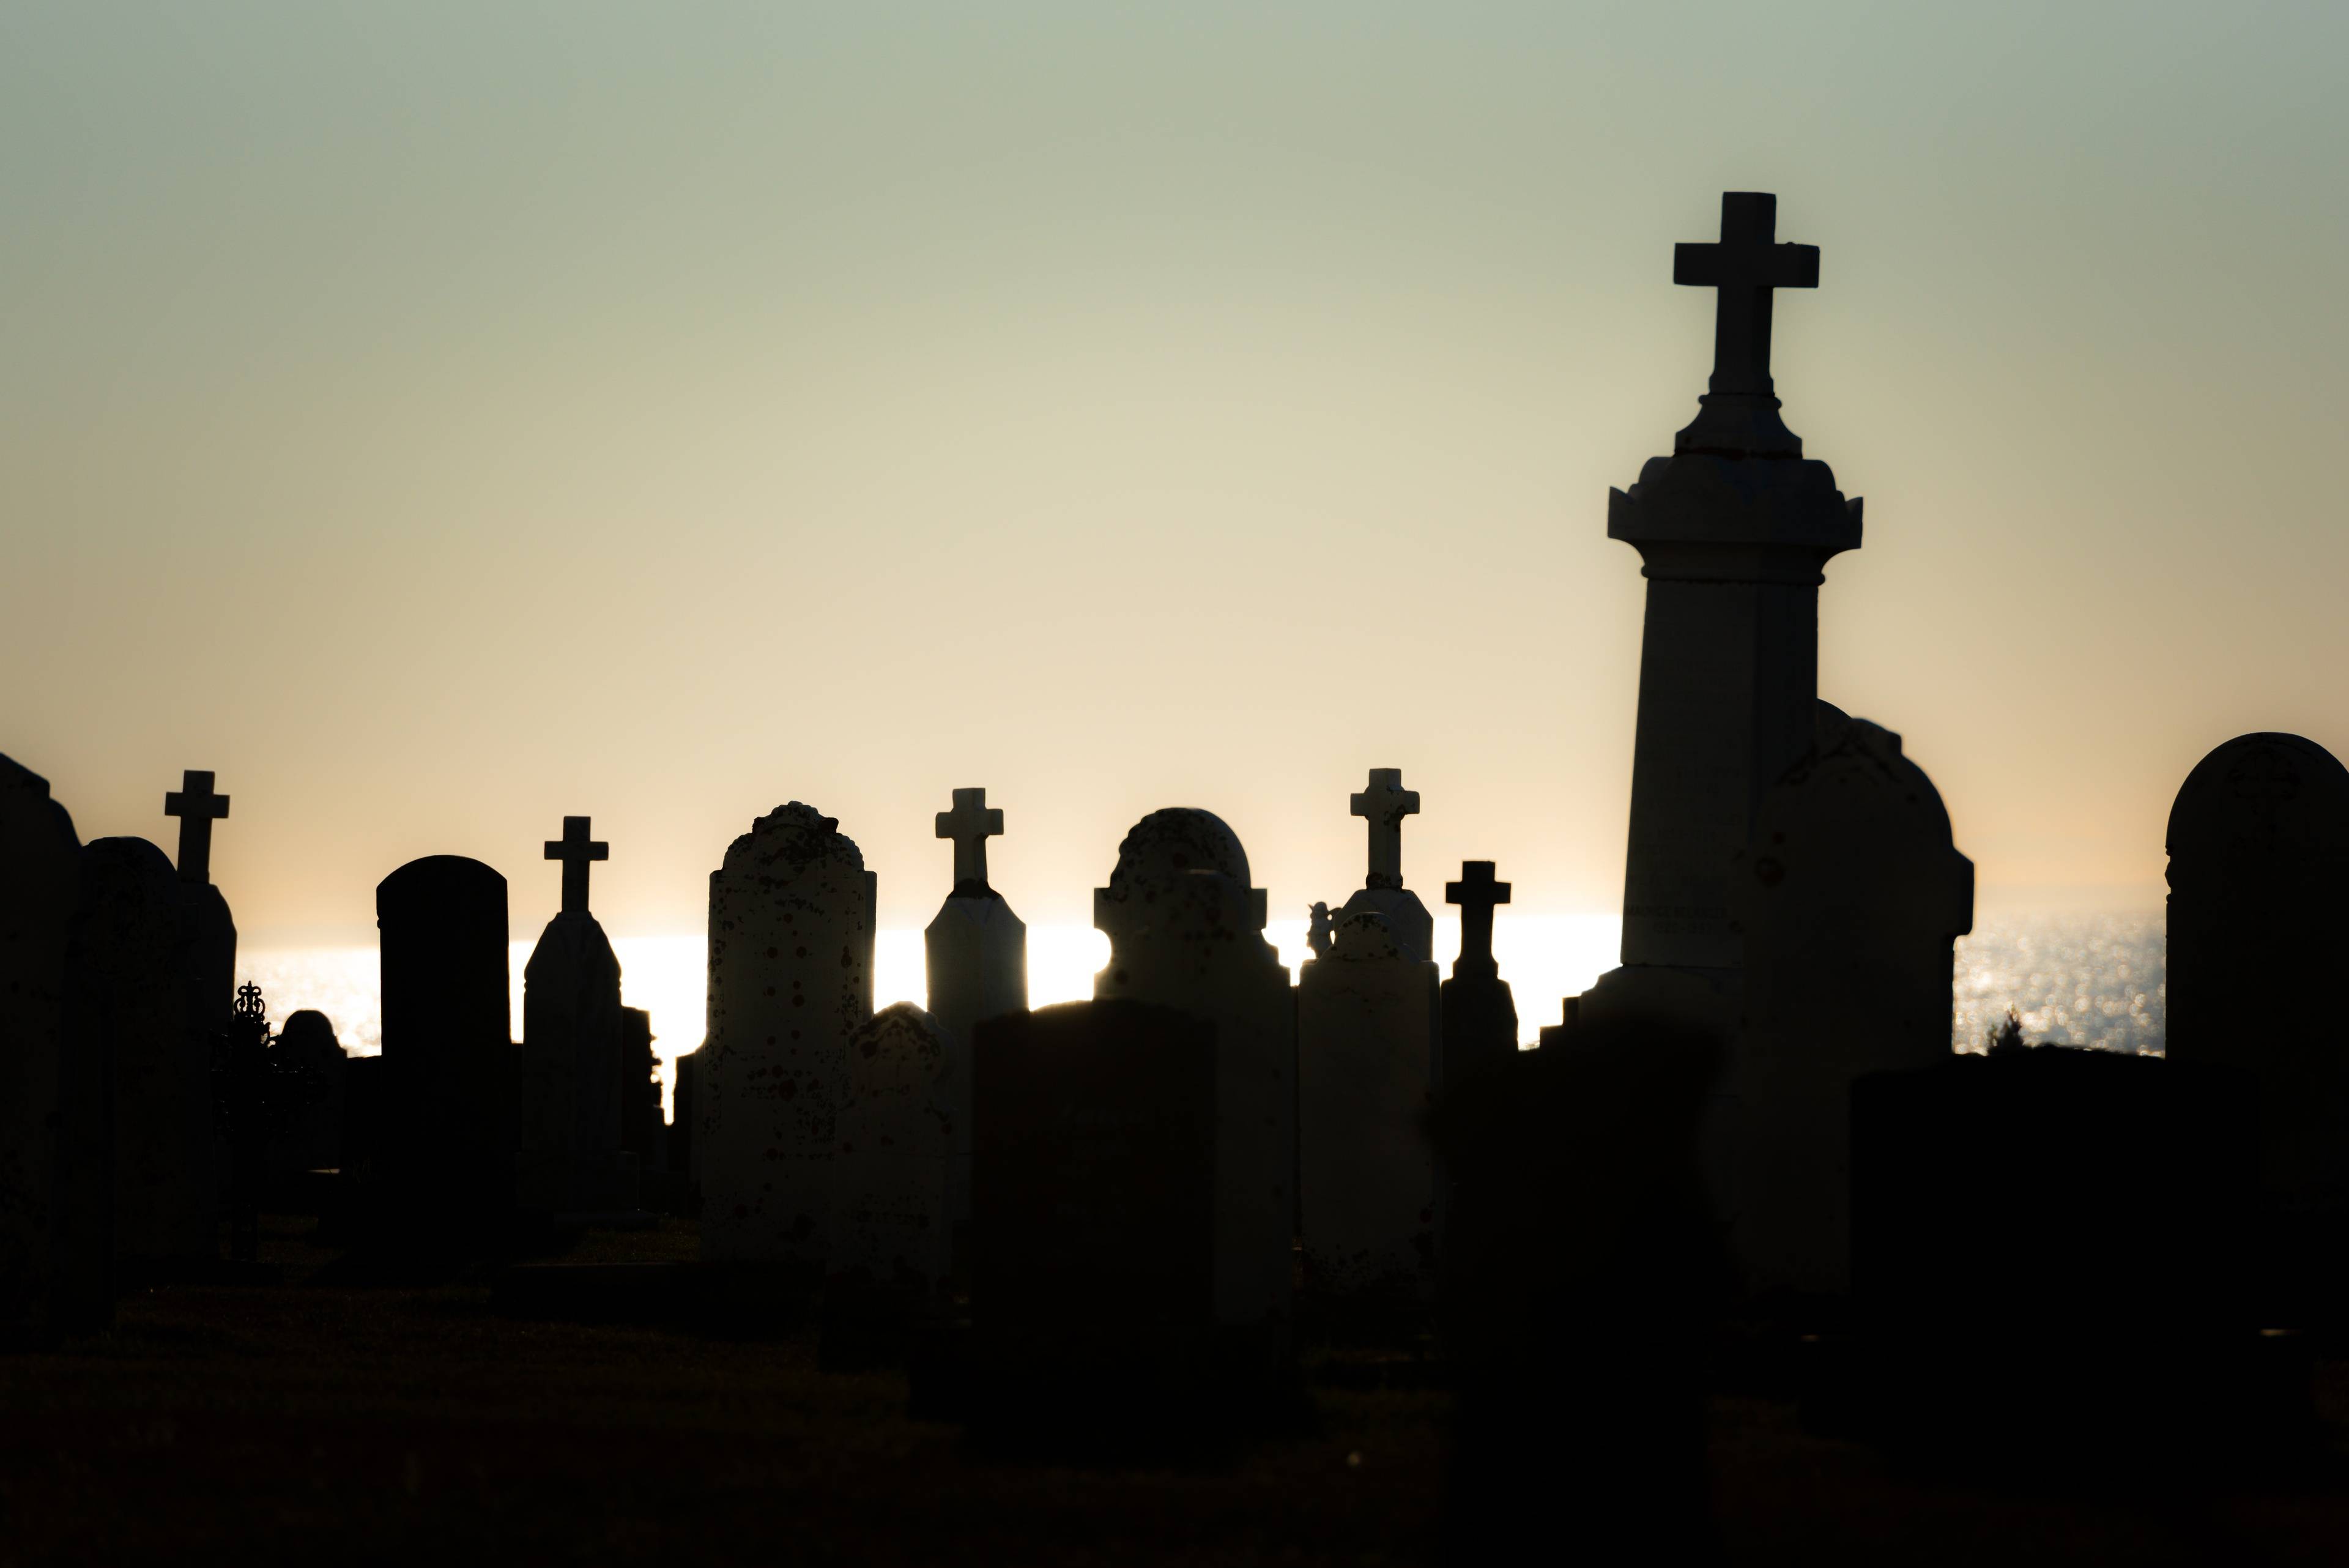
(442, 418)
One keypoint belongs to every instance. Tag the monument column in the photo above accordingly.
(1735, 529)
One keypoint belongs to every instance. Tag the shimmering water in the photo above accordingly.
(2082, 980)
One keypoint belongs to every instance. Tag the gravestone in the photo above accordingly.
(639, 1089)
(1186, 931)
(684, 1153)
(1095, 1266)
(210, 964)
(901, 1132)
(1733, 531)
(791, 980)
(447, 1132)
(56, 1125)
(167, 1176)
(572, 1051)
(1480, 1016)
(976, 953)
(1850, 902)
(2259, 857)
(1367, 1039)
(312, 1138)
(1382, 803)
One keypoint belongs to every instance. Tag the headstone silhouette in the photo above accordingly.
(2258, 855)
(1851, 901)
(573, 1051)
(1734, 550)
(56, 1174)
(1382, 803)
(639, 1089)
(166, 1168)
(312, 1138)
(1480, 1016)
(447, 1134)
(1368, 1038)
(684, 1116)
(976, 953)
(901, 1129)
(211, 961)
(791, 980)
(1186, 931)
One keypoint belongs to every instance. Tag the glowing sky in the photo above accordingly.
(440, 418)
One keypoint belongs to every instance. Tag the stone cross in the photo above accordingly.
(1384, 803)
(576, 849)
(1744, 265)
(195, 804)
(970, 824)
(1476, 893)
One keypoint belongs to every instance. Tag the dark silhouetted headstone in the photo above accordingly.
(1382, 803)
(639, 1089)
(683, 1153)
(56, 1125)
(134, 945)
(2258, 862)
(312, 1138)
(573, 1104)
(902, 1124)
(1185, 931)
(1581, 1277)
(1480, 1016)
(210, 963)
(791, 980)
(1851, 901)
(1094, 1212)
(448, 1131)
(976, 953)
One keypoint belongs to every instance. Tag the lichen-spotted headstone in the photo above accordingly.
(134, 947)
(977, 955)
(447, 1134)
(904, 1116)
(1368, 1036)
(791, 980)
(1186, 931)
(2258, 862)
(1850, 904)
(572, 1051)
(56, 1158)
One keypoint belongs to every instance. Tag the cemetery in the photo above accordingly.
(1743, 1263)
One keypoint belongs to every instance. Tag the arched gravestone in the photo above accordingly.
(1368, 1037)
(2258, 862)
(1850, 903)
(904, 1112)
(312, 1136)
(134, 947)
(791, 980)
(571, 1052)
(56, 1129)
(446, 1136)
(1186, 931)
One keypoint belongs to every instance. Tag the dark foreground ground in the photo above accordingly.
(332, 1425)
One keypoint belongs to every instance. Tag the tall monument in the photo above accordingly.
(1735, 529)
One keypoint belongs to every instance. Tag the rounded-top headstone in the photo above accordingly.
(2262, 798)
(785, 844)
(1175, 841)
(308, 1035)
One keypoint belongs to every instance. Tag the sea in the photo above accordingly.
(2091, 980)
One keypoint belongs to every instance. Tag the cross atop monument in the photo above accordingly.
(1384, 803)
(576, 849)
(970, 824)
(1745, 264)
(196, 807)
(1475, 893)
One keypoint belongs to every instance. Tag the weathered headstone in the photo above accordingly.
(1734, 550)
(1186, 931)
(1480, 1015)
(1095, 1253)
(312, 1138)
(976, 953)
(1382, 803)
(572, 1051)
(1367, 1039)
(1851, 902)
(902, 1127)
(2259, 863)
(448, 1125)
(791, 979)
(56, 1125)
(166, 1166)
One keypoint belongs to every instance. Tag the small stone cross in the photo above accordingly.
(1746, 265)
(196, 807)
(970, 824)
(1475, 893)
(1384, 803)
(575, 850)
